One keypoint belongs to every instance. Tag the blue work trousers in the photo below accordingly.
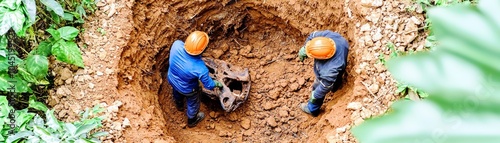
(193, 102)
(314, 107)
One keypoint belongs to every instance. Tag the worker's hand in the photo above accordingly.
(218, 84)
(302, 54)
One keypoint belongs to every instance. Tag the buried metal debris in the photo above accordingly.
(235, 81)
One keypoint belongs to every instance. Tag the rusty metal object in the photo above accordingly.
(235, 81)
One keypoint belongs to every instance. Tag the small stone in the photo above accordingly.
(229, 134)
(222, 134)
(365, 27)
(183, 125)
(374, 88)
(277, 130)
(358, 121)
(341, 129)
(354, 105)
(377, 36)
(65, 74)
(112, 109)
(295, 129)
(126, 123)
(117, 103)
(283, 113)
(248, 133)
(63, 113)
(91, 85)
(268, 106)
(294, 87)
(233, 117)
(117, 126)
(245, 123)
(212, 114)
(415, 20)
(271, 122)
(301, 81)
(108, 71)
(99, 73)
(274, 94)
(212, 126)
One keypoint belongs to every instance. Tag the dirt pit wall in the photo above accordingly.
(263, 36)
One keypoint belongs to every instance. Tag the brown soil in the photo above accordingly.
(126, 67)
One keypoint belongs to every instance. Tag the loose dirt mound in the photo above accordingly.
(127, 67)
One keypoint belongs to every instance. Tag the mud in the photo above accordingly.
(263, 36)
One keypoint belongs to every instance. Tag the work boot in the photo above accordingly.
(193, 122)
(303, 107)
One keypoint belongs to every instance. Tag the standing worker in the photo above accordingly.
(329, 50)
(186, 68)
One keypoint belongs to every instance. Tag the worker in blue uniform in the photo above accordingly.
(186, 69)
(329, 50)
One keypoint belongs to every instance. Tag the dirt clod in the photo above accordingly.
(271, 122)
(354, 105)
(245, 123)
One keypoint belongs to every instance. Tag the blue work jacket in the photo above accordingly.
(185, 70)
(328, 71)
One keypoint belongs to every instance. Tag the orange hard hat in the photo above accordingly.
(196, 43)
(320, 48)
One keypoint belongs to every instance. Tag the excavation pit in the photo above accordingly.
(263, 36)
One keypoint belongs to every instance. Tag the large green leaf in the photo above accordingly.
(54, 6)
(37, 65)
(23, 118)
(11, 19)
(68, 52)
(11, 4)
(52, 121)
(435, 120)
(36, 105)
(19, 135)
(45, 135)
(31, 9)
(4, 64)
(44, 49)
(68, 32)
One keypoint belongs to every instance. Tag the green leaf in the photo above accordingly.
(68, 52)
(54, 6)
(55, 33)
(11, 4)
(30, 6)
(14, 19)
(36, 105)
(45, 135)
(37, 65)
(68, 32)
(68, 16)
(80, 10)
(85, 129)
(38, 121)
(44, 49)
(19, 135)
(52, 122)
(435, 120)
(3, 42)
(33, 139)
(25, 75)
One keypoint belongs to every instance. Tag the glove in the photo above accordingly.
(302, 54)
(218, 84)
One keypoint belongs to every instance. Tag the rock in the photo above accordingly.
(295, 129)
(112, 10)
(358, 121)
(245, 123)
(301, 81)
(365, 27)
(108, 71)
(274, 94)
(117, 103)
(354, 105)
(341, 129)
(293, 79)
(99, 73)
(374, 17)
(217, 53)
(63, 113)
(268, 106)
(271, 122)
(65, 74)
(294, 87)
(248, 133)
(366, 113)
(233, 117)
(117, 126)
(112, 109)
(222, 134)
(91, 85)
(278, 130)
(212, 114)
(229, 134)
(212, 126)
(283, 113)
(258, 96)
(374, 88)
(102, 55)
(126, 123)
(371, 3)
(415, 20)
(377, 36)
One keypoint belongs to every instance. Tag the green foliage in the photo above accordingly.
(461, 77)
(32, 128)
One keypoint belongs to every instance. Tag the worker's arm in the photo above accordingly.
(205, 78)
